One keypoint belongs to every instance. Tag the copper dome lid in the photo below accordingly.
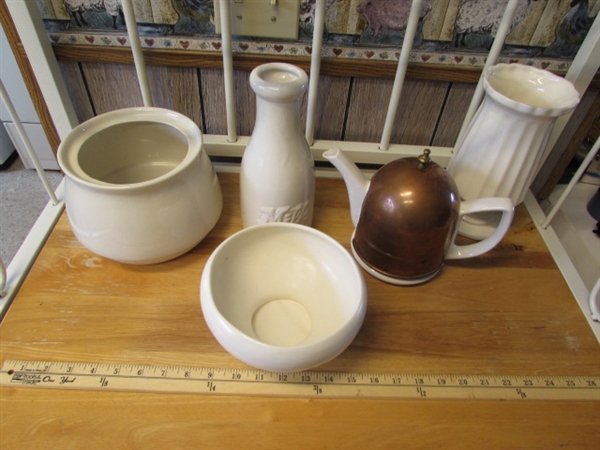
(408, 218)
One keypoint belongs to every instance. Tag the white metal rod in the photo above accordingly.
(503, 30)
(586, 162)
(26, 142)
(2, 278)
(563, 261)
(228, 70)
(19, 266)
(595, 310)
(136, 48)
(409, 36)
(315, 67)
(585, 64)
(580, 73)
(34, 37)
(359, 152)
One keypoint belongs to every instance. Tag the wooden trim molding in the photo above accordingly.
(28, 77)
(247, 62)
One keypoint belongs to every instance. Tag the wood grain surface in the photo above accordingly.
(507, 312)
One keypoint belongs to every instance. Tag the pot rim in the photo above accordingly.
(570, 100)
(68, 158)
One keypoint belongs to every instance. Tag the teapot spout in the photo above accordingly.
(356, 183)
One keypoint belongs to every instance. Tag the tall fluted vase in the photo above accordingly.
(502, 147)
(277, 179)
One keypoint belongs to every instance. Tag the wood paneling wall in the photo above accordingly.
(348, 108)
(352, 101)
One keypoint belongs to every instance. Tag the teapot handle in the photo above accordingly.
(502, 204)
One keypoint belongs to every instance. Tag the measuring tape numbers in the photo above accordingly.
(207, 380)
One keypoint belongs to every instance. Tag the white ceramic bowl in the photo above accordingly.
(283, 297)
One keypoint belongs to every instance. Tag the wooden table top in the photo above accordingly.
(508, 312)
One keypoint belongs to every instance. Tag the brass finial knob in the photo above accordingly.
(424, 159)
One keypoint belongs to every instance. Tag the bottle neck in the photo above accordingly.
(278, 116)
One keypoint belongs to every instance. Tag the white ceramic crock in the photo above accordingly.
(139, 187)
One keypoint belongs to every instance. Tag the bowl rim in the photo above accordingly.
(68, 159)
(356, 318)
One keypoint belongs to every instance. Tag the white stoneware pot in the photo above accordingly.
(139, 187)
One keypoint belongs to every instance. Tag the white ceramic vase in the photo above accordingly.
(502, 148)
(277, 179)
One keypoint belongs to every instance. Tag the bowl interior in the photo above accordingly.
(132, 152)
(285, 286)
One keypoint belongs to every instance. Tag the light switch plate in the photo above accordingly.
(262, 18)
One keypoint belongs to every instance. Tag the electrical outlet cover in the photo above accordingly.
(262, 18)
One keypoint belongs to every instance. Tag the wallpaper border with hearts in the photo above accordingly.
(472, 60)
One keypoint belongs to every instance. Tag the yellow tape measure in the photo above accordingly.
(207, 380)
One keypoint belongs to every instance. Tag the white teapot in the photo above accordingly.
(407, 216)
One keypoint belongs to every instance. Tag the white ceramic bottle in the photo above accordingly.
(277, 179)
